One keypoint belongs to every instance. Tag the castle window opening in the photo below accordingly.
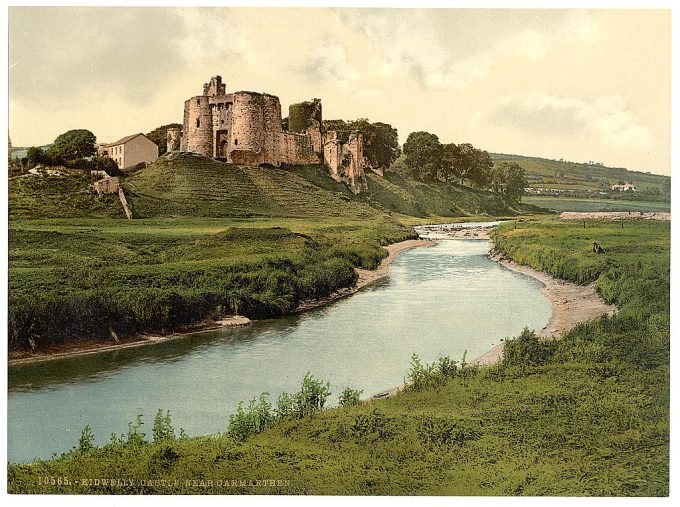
(235, 142)
(198, 122)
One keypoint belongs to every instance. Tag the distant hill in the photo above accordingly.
(557, 174)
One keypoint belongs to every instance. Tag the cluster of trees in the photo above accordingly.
(429, 160)
(75, 148)
(381, 140)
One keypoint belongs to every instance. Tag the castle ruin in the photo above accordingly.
(246, 128)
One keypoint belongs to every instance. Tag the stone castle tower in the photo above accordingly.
(246, 128)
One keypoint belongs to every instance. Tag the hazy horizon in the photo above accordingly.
(576, 85)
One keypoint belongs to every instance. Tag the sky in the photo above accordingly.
(580, 85)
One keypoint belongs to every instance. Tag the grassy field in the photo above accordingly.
(548, 173)
(209, 239)
(570, 204)
(584, 415)
(100, 279)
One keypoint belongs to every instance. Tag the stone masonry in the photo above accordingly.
(246, 128)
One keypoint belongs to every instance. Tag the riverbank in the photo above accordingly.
(81, 348)
(571, 304)
(367, 276)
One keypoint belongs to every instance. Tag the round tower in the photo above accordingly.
(198, 126)
(173, 139)
(247, 135)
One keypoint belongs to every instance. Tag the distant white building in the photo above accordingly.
(627, 187)
(131, 150)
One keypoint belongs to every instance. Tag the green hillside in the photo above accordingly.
(546, 173)
(190, 185)
(59, 196)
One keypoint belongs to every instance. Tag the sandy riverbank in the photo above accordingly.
(615, 215)
(85, 347)
(572, 304)
(80, 348)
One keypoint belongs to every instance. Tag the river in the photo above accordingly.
(437, 301)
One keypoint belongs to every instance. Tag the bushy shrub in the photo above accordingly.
(350, 397)
(86, 442)
(440, 432)
(527, 350)
(162, 427)
(425, 376)
(372, 424)
(259, 416)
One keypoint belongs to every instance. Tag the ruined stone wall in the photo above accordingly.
(355, 172)
(273, 131)
(215, 87)
(246, 128)
(108, 185)
(296, 149)
(174, 140)
(221, 111)
(332, 155)
(198, 130)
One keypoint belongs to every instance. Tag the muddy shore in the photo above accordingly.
(81, 348)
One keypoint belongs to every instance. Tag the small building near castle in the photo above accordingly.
(246, 128)
(130, 150)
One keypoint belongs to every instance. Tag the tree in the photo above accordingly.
(35, 156)
(339, 126)
(465, 162)
(423, 154)
(482, 168)
(159, 135)
(509, 181)
(107, 164)
(383, 149)
(73, 145)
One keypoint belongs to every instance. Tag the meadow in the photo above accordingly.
(575, 176)
(584, 415)
(209, 239)
(110, 279)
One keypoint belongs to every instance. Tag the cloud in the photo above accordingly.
(541, 114)
(328, 62)
(425, 44)
(91, 52)
(211, 35)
